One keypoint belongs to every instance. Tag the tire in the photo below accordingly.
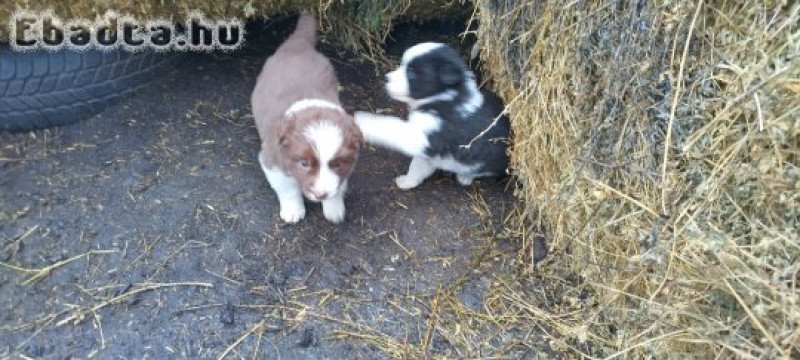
(42, 89)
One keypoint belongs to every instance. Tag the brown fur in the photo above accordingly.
(298, 71)
(293, 145)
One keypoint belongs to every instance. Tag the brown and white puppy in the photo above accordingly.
(309, 144)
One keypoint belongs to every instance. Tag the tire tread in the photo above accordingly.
(41, 89)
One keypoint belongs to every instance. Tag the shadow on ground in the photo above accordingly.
(150, 232)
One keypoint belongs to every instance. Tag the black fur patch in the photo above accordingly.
(442, 70)
(458, 130)
(435, 72)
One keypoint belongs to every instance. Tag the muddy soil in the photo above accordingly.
(149, 231)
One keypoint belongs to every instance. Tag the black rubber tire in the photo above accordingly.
(41, 89)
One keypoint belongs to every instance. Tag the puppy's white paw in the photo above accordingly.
(464, 180)
(293, 213)
(406, 182)
(333, 210)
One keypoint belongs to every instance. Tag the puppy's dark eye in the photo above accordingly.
(303, 163)
(335, 164)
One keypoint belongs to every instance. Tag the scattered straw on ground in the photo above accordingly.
(80, 312)
(40, 273)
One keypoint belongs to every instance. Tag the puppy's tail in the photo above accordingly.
(306, 29)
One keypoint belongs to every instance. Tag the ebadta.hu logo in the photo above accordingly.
(44, 30)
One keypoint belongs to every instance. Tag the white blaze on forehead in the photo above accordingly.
(326, 139)
(419, 50)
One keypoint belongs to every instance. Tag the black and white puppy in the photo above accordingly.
(450, 122)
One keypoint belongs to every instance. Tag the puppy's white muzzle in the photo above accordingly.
(326, 186)
(397, 84)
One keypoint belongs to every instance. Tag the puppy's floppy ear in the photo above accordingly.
(353, 133)
(285, 128)
(450, 74)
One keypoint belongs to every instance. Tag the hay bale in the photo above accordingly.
(657, 143)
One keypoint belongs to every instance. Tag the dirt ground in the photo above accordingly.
(150, 232)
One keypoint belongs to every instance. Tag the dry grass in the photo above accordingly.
(510, 323)
(38, 274)
(658, 145)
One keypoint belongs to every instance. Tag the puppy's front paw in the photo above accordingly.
(406, 182)
(293, 213)
(333, 210)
